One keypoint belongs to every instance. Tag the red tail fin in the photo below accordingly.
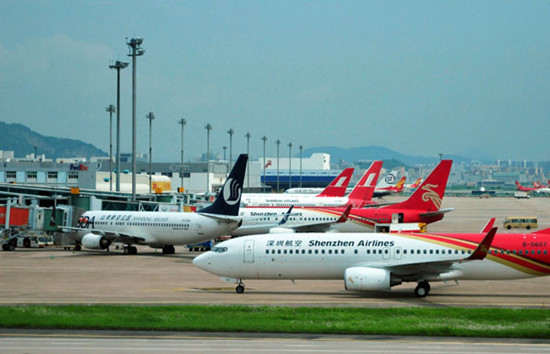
(337, 188)
(363, 190)
(398, 188)
(430, 193)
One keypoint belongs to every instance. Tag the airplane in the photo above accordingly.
(519, 187)
(98, 229)
(359, 196)
(398, 187)
(272, 220)
(336, 188)
(538, 184)
(378, 262)
(422, 207)
(415, 184)
(383, 188)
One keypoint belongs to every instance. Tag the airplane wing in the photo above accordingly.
(438, 270)
(437, 212)
(320, 225)
(123, 237)
(221, 217)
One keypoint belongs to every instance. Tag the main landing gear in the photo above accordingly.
(240, 287)
(422, 289)
(129, 249)
(168, 249)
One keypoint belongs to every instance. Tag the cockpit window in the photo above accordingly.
(219, 249)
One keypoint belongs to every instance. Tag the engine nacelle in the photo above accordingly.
(95, 242)
(368, 279)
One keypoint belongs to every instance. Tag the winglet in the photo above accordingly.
(284, 219)
(345, 215)
(483, 248)
(488, 226)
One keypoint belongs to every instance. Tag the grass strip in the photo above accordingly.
(515, 323)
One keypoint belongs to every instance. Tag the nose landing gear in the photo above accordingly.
(240, 287)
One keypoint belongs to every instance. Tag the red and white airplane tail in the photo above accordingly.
(398, 188)
(337, 188)
(429, 195)
(415, 184)
(364, 189)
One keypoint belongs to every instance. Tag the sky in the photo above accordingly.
(418, 77)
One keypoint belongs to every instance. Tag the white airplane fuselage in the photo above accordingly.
(328, 256)
(157, 228)
(288, 200)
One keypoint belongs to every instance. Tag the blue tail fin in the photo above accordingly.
(229, 198)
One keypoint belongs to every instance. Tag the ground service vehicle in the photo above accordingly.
(527, 222)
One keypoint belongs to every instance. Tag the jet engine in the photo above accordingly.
(369, 279)
(95, 242)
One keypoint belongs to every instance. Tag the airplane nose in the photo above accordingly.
(202, 261)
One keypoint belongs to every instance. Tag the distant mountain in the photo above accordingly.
(374, 152)
(21, 140)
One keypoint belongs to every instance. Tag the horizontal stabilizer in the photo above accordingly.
(437, 212)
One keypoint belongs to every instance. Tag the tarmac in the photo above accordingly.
(57, 276)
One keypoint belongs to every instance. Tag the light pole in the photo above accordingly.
(150, 116)
(182, 122)
(301, 149)
(118, 65)
(264, 138)
(111, 110)
(135, 50)
(278, 144)
(289, 165)
(247, 135)
(208, 128)
(230, 132)
(224, 151)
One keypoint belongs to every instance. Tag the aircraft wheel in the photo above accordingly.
(239, 289)
(168, 249)
(77, 247)
(422, 289)
(11, 247)
(132, 250)
(4, 247)
(26, 243)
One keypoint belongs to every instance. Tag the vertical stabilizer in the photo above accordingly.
(429, 195)
(337, 188)
(364, 189)
(229, 198)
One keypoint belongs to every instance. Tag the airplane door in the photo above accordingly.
(248, 251)
(200, 231)
(397, 254)
(386, 253)
(397, 218)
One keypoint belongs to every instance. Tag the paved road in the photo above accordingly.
(58, 276)
(15, 341)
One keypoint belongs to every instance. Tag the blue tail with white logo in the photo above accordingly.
(229, 198)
